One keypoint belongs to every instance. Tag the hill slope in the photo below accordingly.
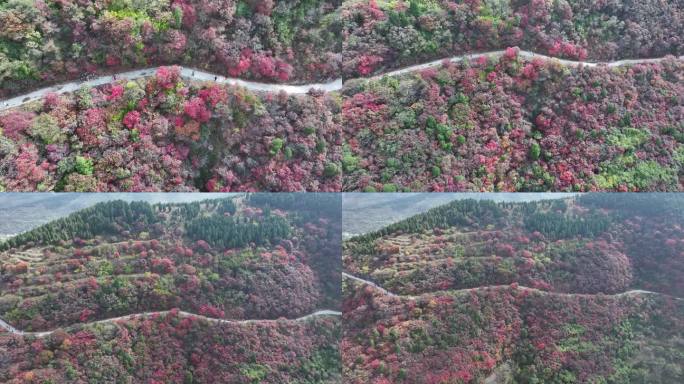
(514, 124)
(160, 134)
(582, 289)
(593, 244)
(176, 349)
(254, 258)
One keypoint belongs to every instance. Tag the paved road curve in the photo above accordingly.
(520, 287)
(186, 73)
(372, 284)
(524, 54)
(324, 312)
(335, 85)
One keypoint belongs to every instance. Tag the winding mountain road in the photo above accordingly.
(520, 287)
(524, 54)
(324, 312)
(335, 85)
(9, 328)
(372, 284)
(186, 73)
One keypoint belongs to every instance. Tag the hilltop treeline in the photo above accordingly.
(557, 225)
(668, 204)
(103, 219)
(192, 209)
(229, 232)
(316, 205)
(551, 218)
(114, 217)
(457, 213)
(329, 203)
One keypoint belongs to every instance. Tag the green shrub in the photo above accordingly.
(135, 135)
(84, 166)
(406, 119)
(535, 151)
(393, 162)
(46, 128)
(331, 170)
(349, 162)
(389, 188)
(276, 146)
(627, 138)
(461, 139)
(255, 372)
(630, 171)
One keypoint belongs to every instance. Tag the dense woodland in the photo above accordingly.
(525, 337)
(530, 292)
(100, 220)
(160, 134)
(46, 41)
(511, 124)
(317, 210)
(584, 245)
(497, 124)
(382, 35)
(219, 258)
(178, 350)
(580, 290)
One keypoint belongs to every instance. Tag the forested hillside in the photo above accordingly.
(593, 244)
(509, 335)
(178, 350)
(222, 258)
(577, 290)
(514, 124)
(46, 41)
(315, 212)
(161, 134)
(388, 34)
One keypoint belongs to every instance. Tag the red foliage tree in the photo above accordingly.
(196, 109)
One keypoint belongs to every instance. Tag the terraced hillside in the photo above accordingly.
(161, 133)
(255, 258)
(584, 289)
(571, 246)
